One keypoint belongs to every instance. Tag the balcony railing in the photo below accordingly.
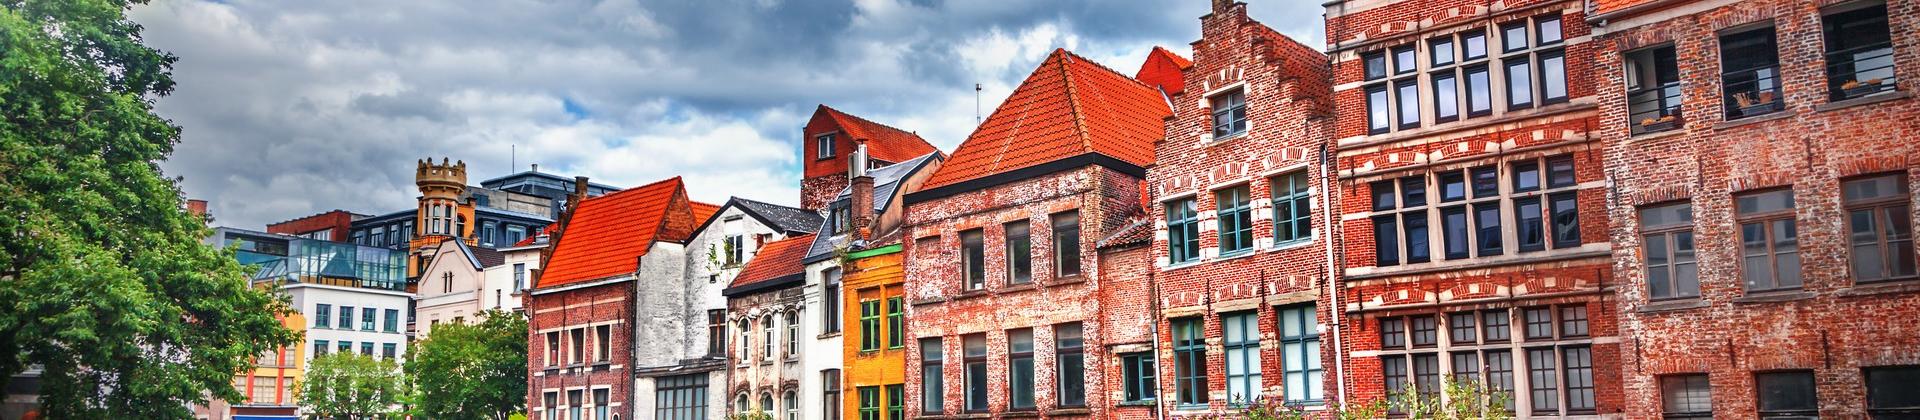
(1860, 71)
(1752, 91)
(1654, 108)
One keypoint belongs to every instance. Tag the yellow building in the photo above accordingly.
(269, 391)
(875, 325)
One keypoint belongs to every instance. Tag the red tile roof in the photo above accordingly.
(606, 235)
(530, 239)
(775, 260)
(883, 142)
(703, 211)
(1069, 106)
(1162, 69)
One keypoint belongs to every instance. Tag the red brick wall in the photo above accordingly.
(1833, 326)
(818, 192)
(1287, 89)
(1129, 319)
(937, 306)
(578, 308)
(336, 221)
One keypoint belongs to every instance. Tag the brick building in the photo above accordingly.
(1240, 250)
(1762, 156)
(329, 226)
(1009, 221)
(1472, 203)
(589, 312)
(764, 305)
(830, 139)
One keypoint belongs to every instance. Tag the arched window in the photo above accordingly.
(740, 404)
(792, 403)
(766, 402)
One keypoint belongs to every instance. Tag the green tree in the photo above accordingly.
(348, 385)
(464, 371)
(104, 282)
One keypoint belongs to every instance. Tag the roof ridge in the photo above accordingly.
(675, 178)
(1096, 64)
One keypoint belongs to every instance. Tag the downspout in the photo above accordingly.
(1333, 282)
(1153, 290)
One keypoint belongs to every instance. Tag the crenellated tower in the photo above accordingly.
(444, 209)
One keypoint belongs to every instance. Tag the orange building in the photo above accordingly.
(875, 344)
(270, 389)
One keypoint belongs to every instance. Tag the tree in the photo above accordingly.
(472, 370)
(348, 385)
(104, 283)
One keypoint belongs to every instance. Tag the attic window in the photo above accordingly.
(1229, 114)
(824, 146)
(842, 216)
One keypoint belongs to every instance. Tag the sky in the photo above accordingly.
(291, 108)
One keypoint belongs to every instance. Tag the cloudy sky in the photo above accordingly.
(295, 107)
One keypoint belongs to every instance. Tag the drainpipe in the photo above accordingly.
(1153, 290)
(1333, 283)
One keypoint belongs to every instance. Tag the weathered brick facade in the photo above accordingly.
(1835, 325)
(1490, 201)
(1274, 94)
(555, 371)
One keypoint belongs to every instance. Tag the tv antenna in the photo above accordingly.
(976, 104)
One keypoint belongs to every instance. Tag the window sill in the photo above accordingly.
(1887, 96)
(1068, 279)
(1745, 121)
(1774, 296)
(1228, 139)
(1881, 287)
(827, 336)
(1672, 305)
(1071, 411)
(1021, 413)
(1141, 403)
(1297, 243)
(1649, 136)
(969, 294)
(1016, 287)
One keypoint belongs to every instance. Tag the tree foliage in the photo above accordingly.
(472, 370)
(104, 281)
(348, 385)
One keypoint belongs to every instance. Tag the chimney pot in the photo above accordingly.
(536, 167)
(579, 188)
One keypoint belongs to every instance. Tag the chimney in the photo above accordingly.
(861, 185)
(1221, 6)
(579, 188)
(536, 168)
(198, 208)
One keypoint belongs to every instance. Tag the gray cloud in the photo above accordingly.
(293, 108)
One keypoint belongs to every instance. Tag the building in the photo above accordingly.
(1242, 256)
(515, 274)
(332, 225)
(1010, 220)
(495, 214)
(454, 287)
(1472, 197)
(865, 220)
(1762, 159)
(610, 331)
(270, 389)
(764, 305)
(729, 242)
(830, 138)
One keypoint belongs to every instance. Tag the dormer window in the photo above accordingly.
(823, 146)
(842, 216)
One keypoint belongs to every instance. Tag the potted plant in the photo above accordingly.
(1663, 123)
(1752, 104)
(1858, 88)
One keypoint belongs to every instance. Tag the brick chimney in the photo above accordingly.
(861, 185)
(1220, 6)
(197, 208)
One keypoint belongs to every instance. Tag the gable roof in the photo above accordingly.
(606, 235)
(776, 264)
(883, 141)
(786, 220)
(480, 257)
(1070, 107)
(703, 211)
(1162, 69)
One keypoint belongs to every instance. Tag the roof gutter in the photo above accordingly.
(775, 283)
(1007, 177)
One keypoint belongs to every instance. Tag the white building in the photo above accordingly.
(717, 251)
(353, 297)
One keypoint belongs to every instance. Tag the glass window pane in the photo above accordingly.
(1446, 104)
(1441, 49)
(1479, 94)
(1519, 84)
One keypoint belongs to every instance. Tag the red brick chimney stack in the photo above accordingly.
(197, 208)
(861, 185)
(1220, 6)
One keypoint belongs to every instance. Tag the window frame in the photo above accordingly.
(1289, 192)
(1018, 250)
(1306, 316)
(869, 325)
(1881, 209)
(1686, 409)
(932, 375)
(1233, 212)
(1183, 231)
(973, 256)
(1669, 234)
(1247, 349)
(1766, 219)
(975, 397)
(1066, 243)
(1070, 352)
(1731, 110)
(1140, 377)
(896, 323)
(1015, 358)
(824, 147)
(1760, 390)
(1190, 347)
(1837, 60)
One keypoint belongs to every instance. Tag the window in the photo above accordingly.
(1183, 231)
(1300, 353)
(1565, 224)
(1545, 383)
(1375, 64)
(1403, 106)
(896, 402)
(322, 315)
(577, 341)
(932, 381)
(1859, 51)
(366, 348)
(552, 408)
(1786, 395)
(1394, 372)
(389, 350)
(1686, 397)
(1425, 331)
(974, 348)
(766, 402)
(869, 402)
(1750, 78)
(1497, 325)
(319, 347)
(1879, 229)
(793, 333)
(1426, 375)
(1069, 356)
(1229, 114)
(344, 347)
(792, 403)
(1291, 215)
(895, 329)
(1573, 321)
(1578, 363)
(1460, 328)
(746, 345)
(553, 348)
(1446, 98)
(830, 297)
(1235, 213)
(1142, 380)
(1411, 221)
(1019, 253)
(1539, 322)
(842, 214)
(1393, 333)
(519, 276)
(603, 343)
(1466, 367)
(1499, 367)
(1066, 244)
(1190, 361)
(869, 325)
(735, 242)
(486, 234)
(767, 330)
(1666, 233)
(1020, 369)
(1653, 89)
(1242, 345)
(1479, 90)
(1403, 60)
(830, 393)
(1769, 251)
(973, 259)
(346, 318)
(393, 321)
(823, 146)
(1408, 93)
(1378, 121)
(716, 332)
(1519, 83)
(1890, 391)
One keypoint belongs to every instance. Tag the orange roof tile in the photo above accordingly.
(1069, 106)
(883, 142)
(1162, 69)
(703, 211)
(606, 235)
(774, 260)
